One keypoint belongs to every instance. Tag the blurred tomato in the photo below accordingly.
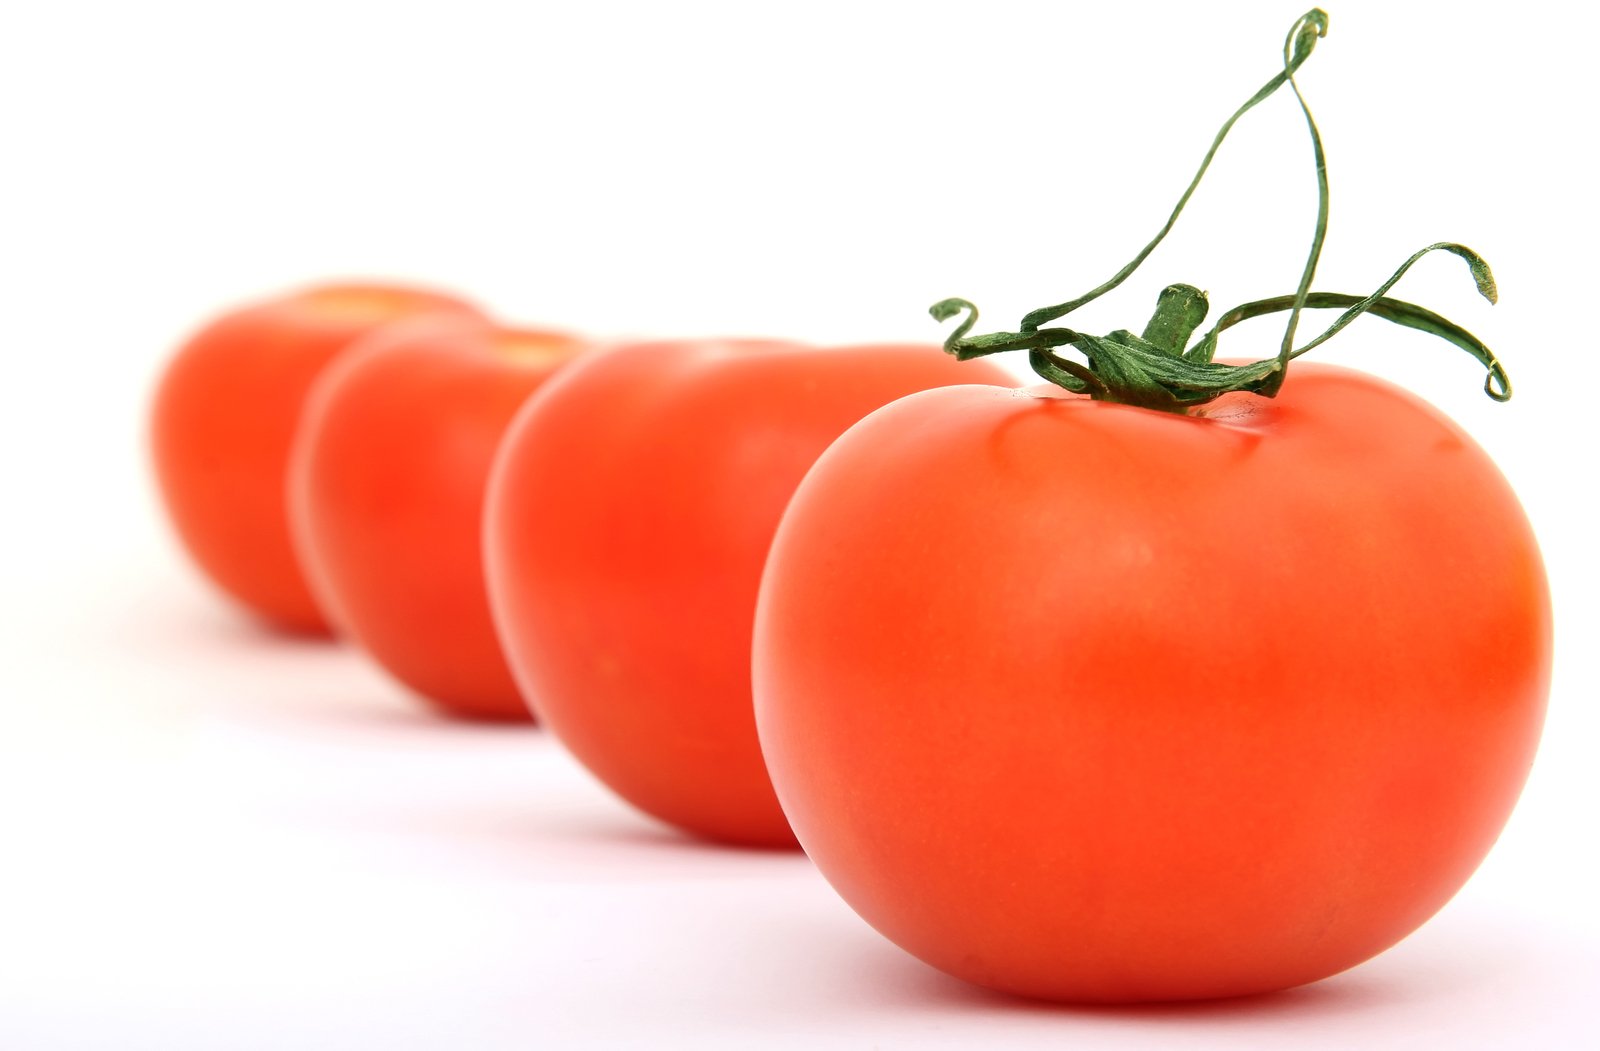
(627, 522)
(386, 497)
(224, 415)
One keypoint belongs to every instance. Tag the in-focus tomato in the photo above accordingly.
(628, 518)
(224, 415)
(386, 492)
(1093, 702)
(1171, 679)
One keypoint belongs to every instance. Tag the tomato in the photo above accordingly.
(1093, 702)
(386, 491)
(628, 518)
(224, 414)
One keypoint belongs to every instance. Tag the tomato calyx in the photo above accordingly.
(1154, 370)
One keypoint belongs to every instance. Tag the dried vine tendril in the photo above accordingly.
(1153, 369)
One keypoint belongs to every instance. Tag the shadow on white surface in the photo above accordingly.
(237, 840)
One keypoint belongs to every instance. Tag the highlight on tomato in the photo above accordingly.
(1167, 679)
(386, 490)
(224, 414)
(628, 518)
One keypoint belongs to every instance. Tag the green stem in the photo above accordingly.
(1179, 311)
(1312, 25)
(1496, 384)
(1293, 46)
(1153, 370)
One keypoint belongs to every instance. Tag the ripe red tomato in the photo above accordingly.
(627, 521)
(224, 414)
(386, 491)
(1093, 702)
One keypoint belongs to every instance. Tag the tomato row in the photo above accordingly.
(1167, 679)
(1075, 699)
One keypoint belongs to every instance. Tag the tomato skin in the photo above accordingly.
(386, 489)
(1094, 703)
(223, 417)
(628, 518)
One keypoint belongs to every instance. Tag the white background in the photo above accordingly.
(210, 837)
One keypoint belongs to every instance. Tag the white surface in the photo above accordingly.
(212, 838)
(220, 839)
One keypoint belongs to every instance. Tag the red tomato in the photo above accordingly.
(224, 415)
(627, 521)
(1091, 702)
(386, 497)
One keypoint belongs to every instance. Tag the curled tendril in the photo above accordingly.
(1303, 36)
(1481, 276)
(1154, 370)
(946, 309)
(1297, 47)
(1305, 33)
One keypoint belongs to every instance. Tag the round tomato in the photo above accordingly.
(224, 415)
(628, 518)
(1092, 702)
(386, 497)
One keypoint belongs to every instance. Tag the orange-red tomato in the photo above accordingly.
(1098, 703)
(627, 521)
(386, 498)
(225, 412)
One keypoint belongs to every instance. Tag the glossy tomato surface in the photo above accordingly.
(1096, 703)
(386, 494)
(224, 415)
(628, 519)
